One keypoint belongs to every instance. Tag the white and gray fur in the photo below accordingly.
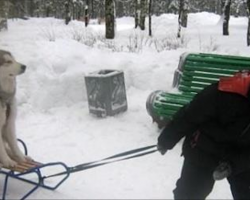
(10, 154)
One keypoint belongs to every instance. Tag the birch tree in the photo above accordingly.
(110, 19)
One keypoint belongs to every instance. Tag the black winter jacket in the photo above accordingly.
(214, 122)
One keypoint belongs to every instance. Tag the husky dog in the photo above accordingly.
(10, 154)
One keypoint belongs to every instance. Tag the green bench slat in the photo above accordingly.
(173, 96)
(194, 84)
(202, 75)
(177, 95)
(215, 67)
(170, 106)
(167, 113)
(172, 100)
(208, 80)
(189, 89)
(175, 101)
(207, 55)
(219, 60)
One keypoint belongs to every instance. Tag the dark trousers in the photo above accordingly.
(196, 182)
(240, 185)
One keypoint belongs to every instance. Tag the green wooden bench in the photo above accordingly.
(195, 71)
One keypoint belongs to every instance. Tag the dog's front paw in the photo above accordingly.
(28, 159)
(19, 158)
(22, 158)
(8, 163)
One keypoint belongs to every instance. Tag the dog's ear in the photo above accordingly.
(2, 53)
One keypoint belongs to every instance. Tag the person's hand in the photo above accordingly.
(161, 149)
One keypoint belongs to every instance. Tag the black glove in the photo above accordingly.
(161, 149)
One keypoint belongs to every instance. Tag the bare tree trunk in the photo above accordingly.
(120, 9)
(48, 6)
(137, 12)
(226, 15)
(78, 10)
(67, 11)
(3, 15)
(183, 12)
(93, 16)
(248, 28)
(110, 19)
(32, 8)
(179, 30)
(86, 13)
(237, 10)
(140, 13)
(143, 14)
(73, 10)
(218, 7)
(150, 17)
(183, 15)
(101, 11)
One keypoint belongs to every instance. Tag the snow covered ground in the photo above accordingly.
(53, 116)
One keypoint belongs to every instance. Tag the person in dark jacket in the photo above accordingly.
(216, 128)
